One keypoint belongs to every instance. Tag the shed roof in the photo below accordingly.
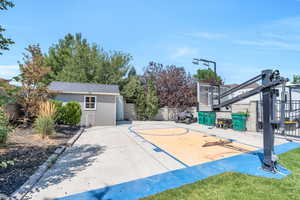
(83, 88)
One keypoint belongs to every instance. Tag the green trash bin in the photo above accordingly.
(210, 119)
(201, 117)
(239, 121)
(204, 118)
(207, 118)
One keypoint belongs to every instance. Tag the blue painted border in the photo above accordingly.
(248, 163)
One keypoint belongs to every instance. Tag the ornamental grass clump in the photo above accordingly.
(44, 123)
(47, 109)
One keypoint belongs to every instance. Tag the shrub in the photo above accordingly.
(71, 113)
(4, 127)
(59, 115)
(44, 125)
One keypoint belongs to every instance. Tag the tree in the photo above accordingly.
(8, 92)
(132, 72)
(33, 90)
(151, 101)
(5, 42)
(174, 87)
(131, 89)
(296, 79)
(140, 104)
(207, 76)
(73, 59)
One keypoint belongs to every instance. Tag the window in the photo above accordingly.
(90, 102)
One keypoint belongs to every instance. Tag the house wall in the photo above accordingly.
(120, 108)
(105, 113)
(251, 107)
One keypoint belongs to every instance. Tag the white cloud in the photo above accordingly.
(283, 34)
(207, 35)
(270, 43)
(184, 52)
(9, 71)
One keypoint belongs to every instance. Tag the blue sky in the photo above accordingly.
(243, 36)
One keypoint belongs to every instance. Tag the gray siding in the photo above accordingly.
(104, 115)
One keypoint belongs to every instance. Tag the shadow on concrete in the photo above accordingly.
(74, 160)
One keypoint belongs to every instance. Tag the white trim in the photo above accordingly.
(88, 93)
(116, 107)
(84, 103)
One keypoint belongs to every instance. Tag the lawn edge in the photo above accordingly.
(20, 193)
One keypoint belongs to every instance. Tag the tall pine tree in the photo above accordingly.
(140, 104)
(151, 101)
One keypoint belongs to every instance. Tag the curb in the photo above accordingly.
(33, 179)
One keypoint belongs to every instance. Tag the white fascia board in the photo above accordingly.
(86, 93)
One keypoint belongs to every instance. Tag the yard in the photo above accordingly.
(24, 152)
(240, 186)
(97, 119)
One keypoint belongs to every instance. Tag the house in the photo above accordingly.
(98, 101)
(244, 90)
(204, 94)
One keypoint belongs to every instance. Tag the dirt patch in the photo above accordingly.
(24, 152)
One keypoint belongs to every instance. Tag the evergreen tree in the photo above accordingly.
(132, 72)
(131, 89)
(140, 104)
(151, 101)
(5, 42)
(73, 59)
(207, 76)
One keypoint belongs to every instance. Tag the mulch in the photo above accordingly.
(24, 152)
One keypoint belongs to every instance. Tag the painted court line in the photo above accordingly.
(221, 137)
(157, 149)
(190, 149)
(248, 163)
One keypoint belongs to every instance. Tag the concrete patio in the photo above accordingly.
(105, 156)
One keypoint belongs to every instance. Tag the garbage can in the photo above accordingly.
(210, 119)
(239, 121)
(207, 118)
(201, 117)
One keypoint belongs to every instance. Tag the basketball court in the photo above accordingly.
(190, 147)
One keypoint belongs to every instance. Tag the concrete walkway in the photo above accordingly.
(105, 156)
(102, 156)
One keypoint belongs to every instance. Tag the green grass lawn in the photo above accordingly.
(238, 186)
